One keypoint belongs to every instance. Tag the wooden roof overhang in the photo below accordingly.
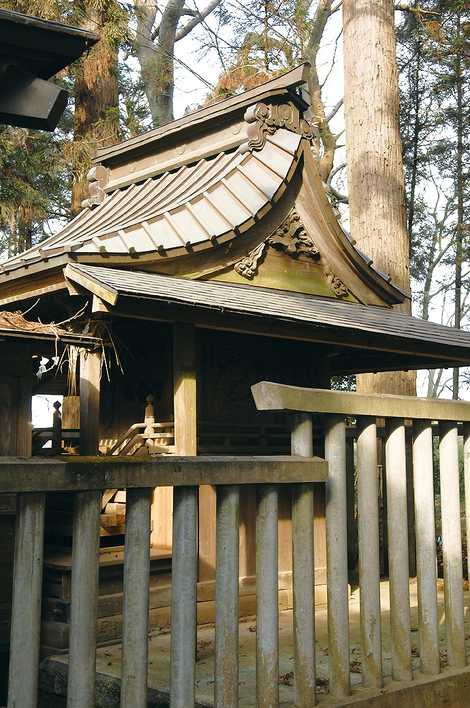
(363, 338)
(33, 50)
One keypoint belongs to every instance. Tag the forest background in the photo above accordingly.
(158, 60)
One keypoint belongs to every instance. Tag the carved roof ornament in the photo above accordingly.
(248, 266)
(264, 119)
(292, 237)
(336, 285)
(97, 179)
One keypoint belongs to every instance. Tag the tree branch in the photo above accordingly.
(335, 172)
(337, 196)
(334, 111)
(199, 17)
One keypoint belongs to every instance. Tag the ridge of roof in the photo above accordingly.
(280, 85)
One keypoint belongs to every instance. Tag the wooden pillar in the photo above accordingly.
(185, 413)
(184, 389)
(15, 425)
(90, 376)
(85, 550)
(161, 512)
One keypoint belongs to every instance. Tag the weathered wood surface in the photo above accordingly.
(303, 569)
(87, 473)
(90, 375)
(278, 397)
(26, 611)
(85, 568)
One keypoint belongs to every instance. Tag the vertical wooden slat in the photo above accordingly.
(267, 620)
(26, 611)
(226, 597)
(85, 548)
(452, 543)
(303, 570)
(136, 599)
(398, 559)
(304, 595)
(466, 472)
(183, 597)
(85, 567)
(425, 546)
(369, 575)
(337, 556)
(351, 502)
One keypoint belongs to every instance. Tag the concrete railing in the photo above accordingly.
(422, 415)
(87, 478)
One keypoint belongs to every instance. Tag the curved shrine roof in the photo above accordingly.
(215, 178)
(179, 211)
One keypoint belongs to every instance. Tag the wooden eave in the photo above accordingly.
(31, 51)
(65, 338)
(381, 339)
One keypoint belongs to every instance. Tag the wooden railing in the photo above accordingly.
(32, 478)
(422, 414)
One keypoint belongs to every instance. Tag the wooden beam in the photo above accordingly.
(105, 293)
(77, 473)
(280, 397)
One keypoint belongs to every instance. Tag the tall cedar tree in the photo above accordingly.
(96, 94)
(374, 155)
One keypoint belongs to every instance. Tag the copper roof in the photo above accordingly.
(227, 169)
(188, 209)
(283, 85)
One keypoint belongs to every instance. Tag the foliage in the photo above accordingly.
(433, 50)
(34, 188)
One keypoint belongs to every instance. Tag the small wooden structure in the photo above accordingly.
(209, 251)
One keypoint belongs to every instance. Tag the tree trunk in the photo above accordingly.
(375, 167)
(460, 227)
(157, 60)
(96, 117)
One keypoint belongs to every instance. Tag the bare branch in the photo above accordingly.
(337, 196)
(199, 17)
(334, 110)
(335, 172)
